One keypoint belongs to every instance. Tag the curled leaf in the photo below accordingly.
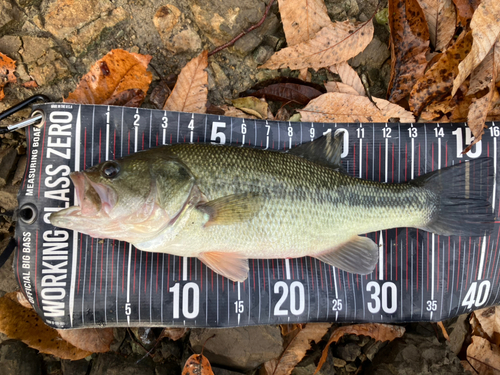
(252, 106)
(483, 356)
(288, 92)
(485, 27)
(409, 45)
(190, 91)
(333, 86)
(349, 76)
(116, 72)
(333, 44)
(338, 107)
(379, 332)
(95, 340)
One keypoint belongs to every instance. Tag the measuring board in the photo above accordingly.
(74, 280)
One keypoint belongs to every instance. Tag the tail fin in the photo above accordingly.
(463, 192)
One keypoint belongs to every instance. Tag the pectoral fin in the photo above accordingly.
(230, 265)
(232, 209)
(359, 255)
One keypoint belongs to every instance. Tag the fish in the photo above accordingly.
(227, 204)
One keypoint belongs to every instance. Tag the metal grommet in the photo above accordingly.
(37, 113)
(28, 213)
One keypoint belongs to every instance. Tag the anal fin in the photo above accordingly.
(359, 255)
(230, 265)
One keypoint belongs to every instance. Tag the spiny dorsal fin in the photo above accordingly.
(325, 150)
(231, 209)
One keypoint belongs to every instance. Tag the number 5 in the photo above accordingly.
(216, 134)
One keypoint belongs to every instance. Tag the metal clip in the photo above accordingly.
(37, 117)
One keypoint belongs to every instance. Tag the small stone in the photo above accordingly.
(262, 54)
(348, 352)
(338, 362)
(21, 168)
(242, 348)
(371, 349)
(170, 349)
(74, 367)
(271, 41)
(8, 158)
(373, 56)
(10, 45)
(364, 340)
(458, 330)
(351, 367)
(116, 364)
(222, 371)
(7, 13)
(17, 358)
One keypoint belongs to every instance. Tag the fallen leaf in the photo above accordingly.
(333, 86)
(379, 332)
(441, 19)
(437, 82)
(288, 92)
(483, 356)
(7, 68)
(481, 76)
(331, 45)
(160, 94)
(127, 98)
(94, 340)
(21, 323)
(478, 111)
(118, 71)
(485, 27)
(465, 10)
(349, 76)
(190, 91)
(339, 107)
(197, 364)
(286, 329)
(302, 19)
(296, 349)
(30, 85)
(234, 112)
(489, 320)
(252, 106)
(173, 333)
(409, 46)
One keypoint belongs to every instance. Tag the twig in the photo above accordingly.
(240, 35)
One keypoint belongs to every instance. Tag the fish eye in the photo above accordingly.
(110, 169)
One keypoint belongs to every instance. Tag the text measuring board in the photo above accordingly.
(74, 280)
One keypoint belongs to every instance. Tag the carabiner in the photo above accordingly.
(35, 116)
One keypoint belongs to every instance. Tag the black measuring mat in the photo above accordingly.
(73, 280)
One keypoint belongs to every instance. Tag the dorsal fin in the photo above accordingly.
(325, 150)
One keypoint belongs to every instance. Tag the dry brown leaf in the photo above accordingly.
(438, 80)
(478, 111)
(253, 106)
(409, 47)
(302, 19)
(190, 91)
(483, 74)
(349, 76)
(173, 333)
(465, 10)
(332, 45)
(441, 18)
(379, 332)
(485, 27)
(333, 86)
(30, 85)
(197, 364)
(7, 68)
(286, 329)
(95, 340)
(234, 112)
(296, 349)
(338, 107)
(118, 71)
(484, 356)
(21, 323)
(489, 319)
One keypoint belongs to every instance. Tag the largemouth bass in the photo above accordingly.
(225, 205)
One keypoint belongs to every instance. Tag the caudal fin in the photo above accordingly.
(463, 204)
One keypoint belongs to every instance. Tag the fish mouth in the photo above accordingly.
(92, 197)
